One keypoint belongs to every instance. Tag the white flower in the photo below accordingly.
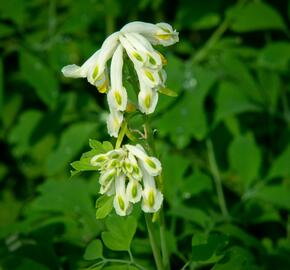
(117, 95)
(151, 164)
(138, 57)
(157, 34)
(108, 188)
(131, 166)
(149, 77)
(147, 99)
(121, 202)
(114, 121)
(99, 160)
(94, 67)
(107, 176)
(152, 197)
(134, 191)
(142, 45)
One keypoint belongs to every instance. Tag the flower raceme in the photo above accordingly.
(128, 174)
(136, 40)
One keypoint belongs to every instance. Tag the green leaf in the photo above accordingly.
(280, 166)
(271, 87)
(94, 250)
(275, 55)
(195, 184)
(195, 215)
(239, 234)
(71, 142)
(236, 71)
(21, 133)
(120, 232)
(174, 167)
(14, 10)
(189, 114)
(245, 158)
(238, 259)
(104, 205)
(198, 15)
(232, 100)
(101, 147)
(207, 248)
(255, 16)
(278, 195)
(175, 80)
(40, 77)
(11, 107)
(167, 92)
(84, 164)
(65, 202)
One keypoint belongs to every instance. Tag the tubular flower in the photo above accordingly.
(114, 121)
(128, 175)
(117, 95)
(152, 198)
(136, 39)
(157, 34)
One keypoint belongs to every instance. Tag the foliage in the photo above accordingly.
(229, 125)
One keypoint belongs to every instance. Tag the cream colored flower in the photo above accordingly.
(157, 34)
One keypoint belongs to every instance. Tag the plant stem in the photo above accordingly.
(162, 228)
(108, 260)
(121, 135)
(164, 250)
(153, 242)
(185, 265)
(202, 53)
(217, 179)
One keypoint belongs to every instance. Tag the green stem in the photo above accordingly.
(164, 250)
(121, 135)
(202, 53)
(217, 179)
(107, 260)
(162, 228)
(185, 265)
(153, 242)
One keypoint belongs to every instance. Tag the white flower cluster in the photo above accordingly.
(128, 174)
(136, 38)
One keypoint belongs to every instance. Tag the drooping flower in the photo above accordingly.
(134, 191)
(114, 121)
(121, 202)
(136, 39)
(147, 99)
(126, 175)
(151, 164)
(117, 95)
(152, 197)
(157, 34)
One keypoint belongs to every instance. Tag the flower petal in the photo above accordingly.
(147, 99)
(152, 197)
(121, 202)
(114, 121)
(134, 191)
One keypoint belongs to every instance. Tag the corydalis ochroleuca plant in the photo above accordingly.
(128, 174)
(136, 40)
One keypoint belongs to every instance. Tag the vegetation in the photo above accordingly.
(223, 141)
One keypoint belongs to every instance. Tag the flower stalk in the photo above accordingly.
(128, 172)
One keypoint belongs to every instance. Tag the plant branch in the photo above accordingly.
(153, 242)
(217, 179)
(121, 135)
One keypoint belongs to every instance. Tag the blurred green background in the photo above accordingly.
(230, 122)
